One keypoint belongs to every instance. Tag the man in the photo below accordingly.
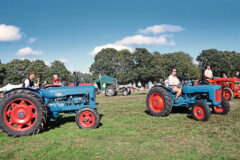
(174, 82)
(56, 81)
(208, 73)
(29, 82)
(237, 75)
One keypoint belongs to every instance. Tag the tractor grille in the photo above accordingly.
(218, 95)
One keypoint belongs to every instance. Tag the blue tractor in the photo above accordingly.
(25, 111)
(200, 98)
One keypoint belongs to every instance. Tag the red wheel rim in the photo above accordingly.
(87, 119)
(20, 114)
(198, 112)
(156, 102)
(227, 94)
(218, 109)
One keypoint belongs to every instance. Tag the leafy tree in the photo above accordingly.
(2, 73)
(105, 62)
(15, 71)
(59, 68)
(39, 67)
(220, 61)
(84, 77)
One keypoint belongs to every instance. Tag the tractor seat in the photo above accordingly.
(52, 86)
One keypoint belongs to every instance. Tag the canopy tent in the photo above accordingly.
(105, 79)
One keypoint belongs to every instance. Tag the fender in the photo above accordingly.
(36, 91)
(162, 86)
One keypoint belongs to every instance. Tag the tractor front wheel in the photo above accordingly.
(159, 102)
(224, 109)
(227, 94)
(201, 111)
(125, 92)
(87, 118)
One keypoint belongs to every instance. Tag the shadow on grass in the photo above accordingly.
(177, 110)
(62, 120)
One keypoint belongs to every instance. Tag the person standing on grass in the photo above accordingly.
(208, 73)
(174, 82)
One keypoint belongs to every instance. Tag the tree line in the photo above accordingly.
(17, 70)
(141, 65)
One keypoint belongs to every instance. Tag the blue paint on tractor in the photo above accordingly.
(65, 99)
(190, 94)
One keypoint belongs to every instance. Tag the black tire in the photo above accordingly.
(159, 102)
(22, 99)
(129, 92)
(225, 107)
(94, 118)
(110, 90)
(200, 111)
(227, 93)
(125, 92)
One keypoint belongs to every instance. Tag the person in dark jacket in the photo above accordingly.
(29, 82)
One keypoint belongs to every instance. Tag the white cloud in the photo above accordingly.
(9, 33)
(162, 39)
(63, 60)
(156, 29)
(140, 39)
(31, 40)
(115, 46)
(28, 51)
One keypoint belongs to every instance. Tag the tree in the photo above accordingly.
(220, 61)
(15, 71)
(59, 68)
(2, 73)
(84, 77)
(39, 67)
(105, 62)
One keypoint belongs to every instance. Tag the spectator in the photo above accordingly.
(139, 84)
(208, 73)
(237, 75)
(29, 82)
(56, 81)
(174, 82)
(150, 84)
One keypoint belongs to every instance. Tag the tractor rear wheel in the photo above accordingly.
(201, 111)
(224, 109)
(110, 90)
(22, 113)
(87, 118)
(159, 102)
(125, 92)
(227, 93)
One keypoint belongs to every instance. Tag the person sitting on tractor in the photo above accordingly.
(208, 73)
(174, 82)
(29, 82)
(237, 75)
(56, 81)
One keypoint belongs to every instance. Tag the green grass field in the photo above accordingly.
(128, 132)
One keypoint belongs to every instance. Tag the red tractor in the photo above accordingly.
(230, 86)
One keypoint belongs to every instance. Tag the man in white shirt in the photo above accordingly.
(208, 73)
(174, 82)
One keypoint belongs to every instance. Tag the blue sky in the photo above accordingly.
(70, 30)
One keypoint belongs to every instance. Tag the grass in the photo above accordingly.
(128, 132)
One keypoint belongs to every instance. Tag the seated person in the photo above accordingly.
(56, 81)
(174, 82)
(208, 73)
(29, 82)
